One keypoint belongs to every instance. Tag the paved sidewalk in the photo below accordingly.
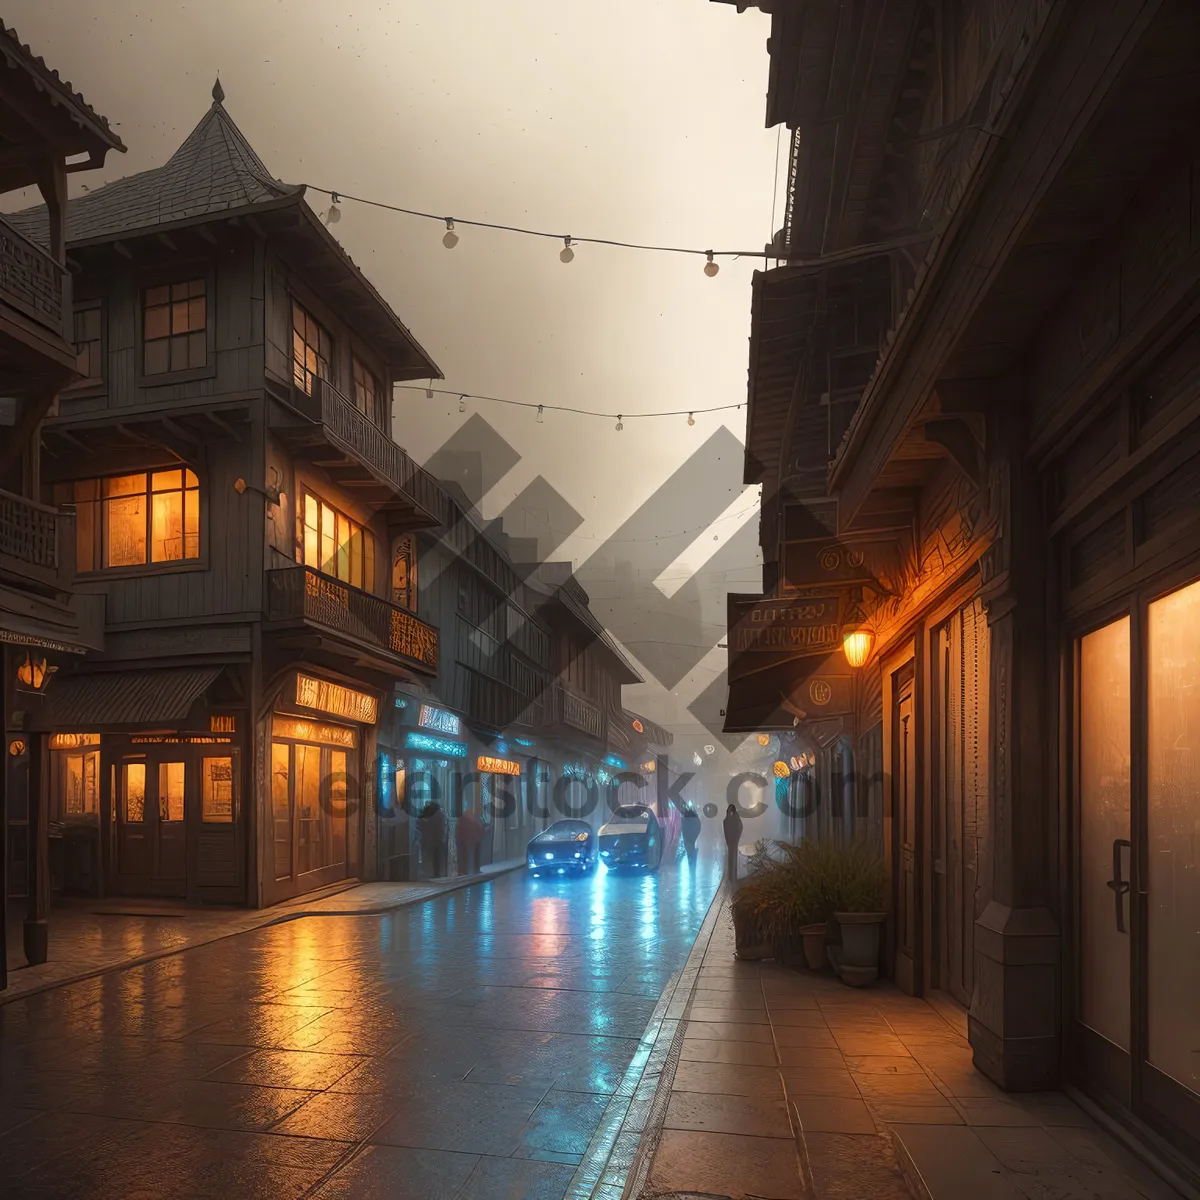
(793, 1086)
(91, 937)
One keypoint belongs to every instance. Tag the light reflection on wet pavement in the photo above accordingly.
(465, 1047)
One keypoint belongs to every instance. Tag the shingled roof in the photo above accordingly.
(215, 171)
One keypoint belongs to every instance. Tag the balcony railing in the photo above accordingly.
(355, 433)
(569, 709)
(302, 593)
(36, 542)
(30, 280)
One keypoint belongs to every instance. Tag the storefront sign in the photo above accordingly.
(414, 639)
(435, 745)
(336, 700)
(73, 741)
(650, 766)
(819, 562)
(497, 766)
(614, 761)
(439, 719)
(222, 723)
(638, 727)
(313, 731)
(176, 739)
(781, 629)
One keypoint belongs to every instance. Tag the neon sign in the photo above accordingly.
(439, 719)
(613, 761)
(497, 766)
(435, 745)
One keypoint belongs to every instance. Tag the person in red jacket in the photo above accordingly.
(468, 836)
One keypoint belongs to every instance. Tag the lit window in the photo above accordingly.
(368, 394)
(216, 790)
(132, 520)
(404, 572)
(88, 361)
(80, 774)
(333, 543)
(174, 323)
(312, 349)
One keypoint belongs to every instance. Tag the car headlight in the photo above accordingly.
(549, 853)
(577, 854)
(582, 837)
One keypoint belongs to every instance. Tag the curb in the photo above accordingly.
(283, 918)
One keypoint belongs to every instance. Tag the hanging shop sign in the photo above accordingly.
(336, 700)
(855, 559)
(73, 741)
(301, 730)
(614, 761)
(764, 631)
(523, 741)
(439, 719)
(782, 770)
(497, 766)
(435, 745)
(222, 723)
(638, 727)
(179, 739)
(649, 766)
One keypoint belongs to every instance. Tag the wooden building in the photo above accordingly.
(1010, 517)
(242, 511)
(47, 131)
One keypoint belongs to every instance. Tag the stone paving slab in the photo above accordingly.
(91, 938)
(790, 1084)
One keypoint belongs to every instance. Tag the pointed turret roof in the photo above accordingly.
(215, 171)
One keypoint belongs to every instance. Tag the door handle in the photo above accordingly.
(1119, 885)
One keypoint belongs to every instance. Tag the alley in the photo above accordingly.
(464, 1047)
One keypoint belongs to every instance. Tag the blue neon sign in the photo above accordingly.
(523, 741)
(435, 745)
(614, 761)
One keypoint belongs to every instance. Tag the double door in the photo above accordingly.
(1137, 860)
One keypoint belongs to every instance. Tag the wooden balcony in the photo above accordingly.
(34, 286)
(355, 619)
(566, 708)
(364, 458)
(35, 543)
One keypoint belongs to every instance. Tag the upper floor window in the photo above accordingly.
(368, 394)
(87, 344)
(335, 544)
(404, 572)
(134, 520)
(174, 327)
(312, 349)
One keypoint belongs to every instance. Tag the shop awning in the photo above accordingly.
(162, 697)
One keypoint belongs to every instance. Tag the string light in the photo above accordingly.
(450, 240)
(334, 215)
(430, 392)
(539, 415)
(462, 404)
(620, 423)
(710, 267)
(566, 254)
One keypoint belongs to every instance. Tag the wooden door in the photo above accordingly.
(135, 854)
(906, 827)
(169, 826)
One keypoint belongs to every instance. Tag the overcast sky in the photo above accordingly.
(640, 120)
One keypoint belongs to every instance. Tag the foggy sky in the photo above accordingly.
(640, 120)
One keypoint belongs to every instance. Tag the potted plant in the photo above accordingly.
(812, 904)
(859, 888)
(754, 908)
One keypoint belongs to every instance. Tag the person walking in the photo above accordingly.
(468, 836)
(733, 833)
(432, 827)
(690, 827)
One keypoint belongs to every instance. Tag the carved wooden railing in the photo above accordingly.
(30, 280)
(569, 709)
(301, 592)
(29, 533)
(356, 433)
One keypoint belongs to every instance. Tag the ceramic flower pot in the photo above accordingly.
(860, 938)
(813, 939)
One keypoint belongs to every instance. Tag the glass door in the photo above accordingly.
(170, 830)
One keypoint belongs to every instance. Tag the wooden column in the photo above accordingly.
(37, 912)
(1014, 1015)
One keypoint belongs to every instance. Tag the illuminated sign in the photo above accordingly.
(413, 638)
(301, 730)
(797, 764)
(334, 699)
(73, 741)
(435, 745)
(650, 767)
(170, 739)
(764, 739)
(614, 761)
(501, 747)
(439, 719)
(497, 766)
(782, 770)
(218, 723)
(523, 741)
(639, 727)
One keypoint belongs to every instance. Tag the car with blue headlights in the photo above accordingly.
(633, 837)
(564, 848)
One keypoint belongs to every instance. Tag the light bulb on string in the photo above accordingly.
(539, 415)
(429, 391)
(691, 418)
(449, 238)
(620, 423)
(334, 215)
(462, 404)
(566, 254)
(710, 267)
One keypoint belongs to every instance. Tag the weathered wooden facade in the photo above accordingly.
(237, 501)
(1013, 482)
(46, 132)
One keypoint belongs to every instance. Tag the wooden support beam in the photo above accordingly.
(179, 432)
(205, 234)
(166, 240)
(224, 426)
(123, 250)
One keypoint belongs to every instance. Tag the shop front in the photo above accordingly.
(320, 735)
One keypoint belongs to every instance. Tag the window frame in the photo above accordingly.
(181, 273)
(97, 385)
(295, 302)
(149, 567)
(304, 491)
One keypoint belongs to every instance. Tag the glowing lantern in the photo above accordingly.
(764, 739)
(857, 646)
(639, 727)
(782, 770)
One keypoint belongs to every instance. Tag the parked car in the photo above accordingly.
(632, 838)
(562, 848)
